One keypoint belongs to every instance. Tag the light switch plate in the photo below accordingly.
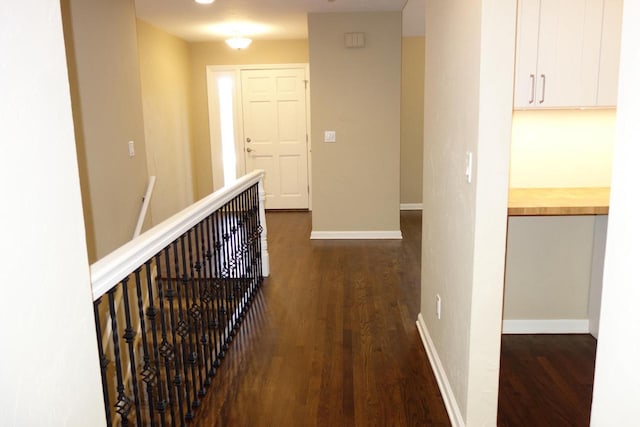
(329, 136)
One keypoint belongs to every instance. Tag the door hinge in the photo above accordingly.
(306, 82)
(307, 137)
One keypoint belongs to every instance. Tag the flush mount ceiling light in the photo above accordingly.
(204, 1)
(239, 42)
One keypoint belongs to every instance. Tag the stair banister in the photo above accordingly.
(109, 270)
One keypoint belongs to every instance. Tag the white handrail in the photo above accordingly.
(145, 206)
(110, 270)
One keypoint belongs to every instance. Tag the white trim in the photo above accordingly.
(450, 402)
(263, 234)
(410, 206)
(356, 235)
(597, 270)
(545, 326)
(108, 271)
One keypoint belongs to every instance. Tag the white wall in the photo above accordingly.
(616, 393)
(49, 373)
(468, 88)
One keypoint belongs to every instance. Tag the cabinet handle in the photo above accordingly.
(533, 88)
(544, 86)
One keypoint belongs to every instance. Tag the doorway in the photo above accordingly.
(259, 119)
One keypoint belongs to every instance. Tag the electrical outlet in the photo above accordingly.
(438, 306)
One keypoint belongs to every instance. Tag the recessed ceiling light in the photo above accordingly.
(204, 1)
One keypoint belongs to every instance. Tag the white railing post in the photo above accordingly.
(145, 205)
(263, 234)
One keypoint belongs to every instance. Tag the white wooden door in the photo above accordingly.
(274, 117)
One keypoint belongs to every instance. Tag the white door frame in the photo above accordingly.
(214, 113)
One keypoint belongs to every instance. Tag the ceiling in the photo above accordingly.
(263, 19)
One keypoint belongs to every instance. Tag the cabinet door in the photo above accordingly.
(610, 54)
(526, 53)
(568, 53)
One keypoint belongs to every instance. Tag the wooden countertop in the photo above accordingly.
(558, 201)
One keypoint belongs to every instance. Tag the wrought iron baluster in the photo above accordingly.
(164, 349)
(240, 240)
(104, 362)
(129, 336)
(240, 266)
(249, 245)
(148, 373)
(180, 382)
(257, 201)
(246, 256)
(217, 284)
(237, 262)
(213, 278)
(227, 277)
(167, 347)
(252, 240)
(195, 313)
(184, 330)
(221, 279)
(255, 194)
(203, 299)
(123, 403)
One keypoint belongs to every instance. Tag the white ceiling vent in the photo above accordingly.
(353, 40)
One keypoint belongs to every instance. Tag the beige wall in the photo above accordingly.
(50, 373)
(468, 89)
(355, 92)
(617, 376)
(105, 78)
(562, 148)
(165, 77)
(218, 53)
(412, 120)
(548, 268)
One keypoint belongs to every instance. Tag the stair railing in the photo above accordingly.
(173, 299)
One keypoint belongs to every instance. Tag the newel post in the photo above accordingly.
(263, 233)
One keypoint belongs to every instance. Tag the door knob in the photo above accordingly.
(248, 139)
(249, 150)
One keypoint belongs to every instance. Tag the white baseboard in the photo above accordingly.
(441, 376)
(410, 206)
(355, 235)
(546, 326)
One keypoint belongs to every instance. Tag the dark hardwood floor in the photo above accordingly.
(546, 380)
(331, 341)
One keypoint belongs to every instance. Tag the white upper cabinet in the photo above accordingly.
(558, 53)
(610, 53)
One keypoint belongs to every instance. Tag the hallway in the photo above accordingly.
(331, 339)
